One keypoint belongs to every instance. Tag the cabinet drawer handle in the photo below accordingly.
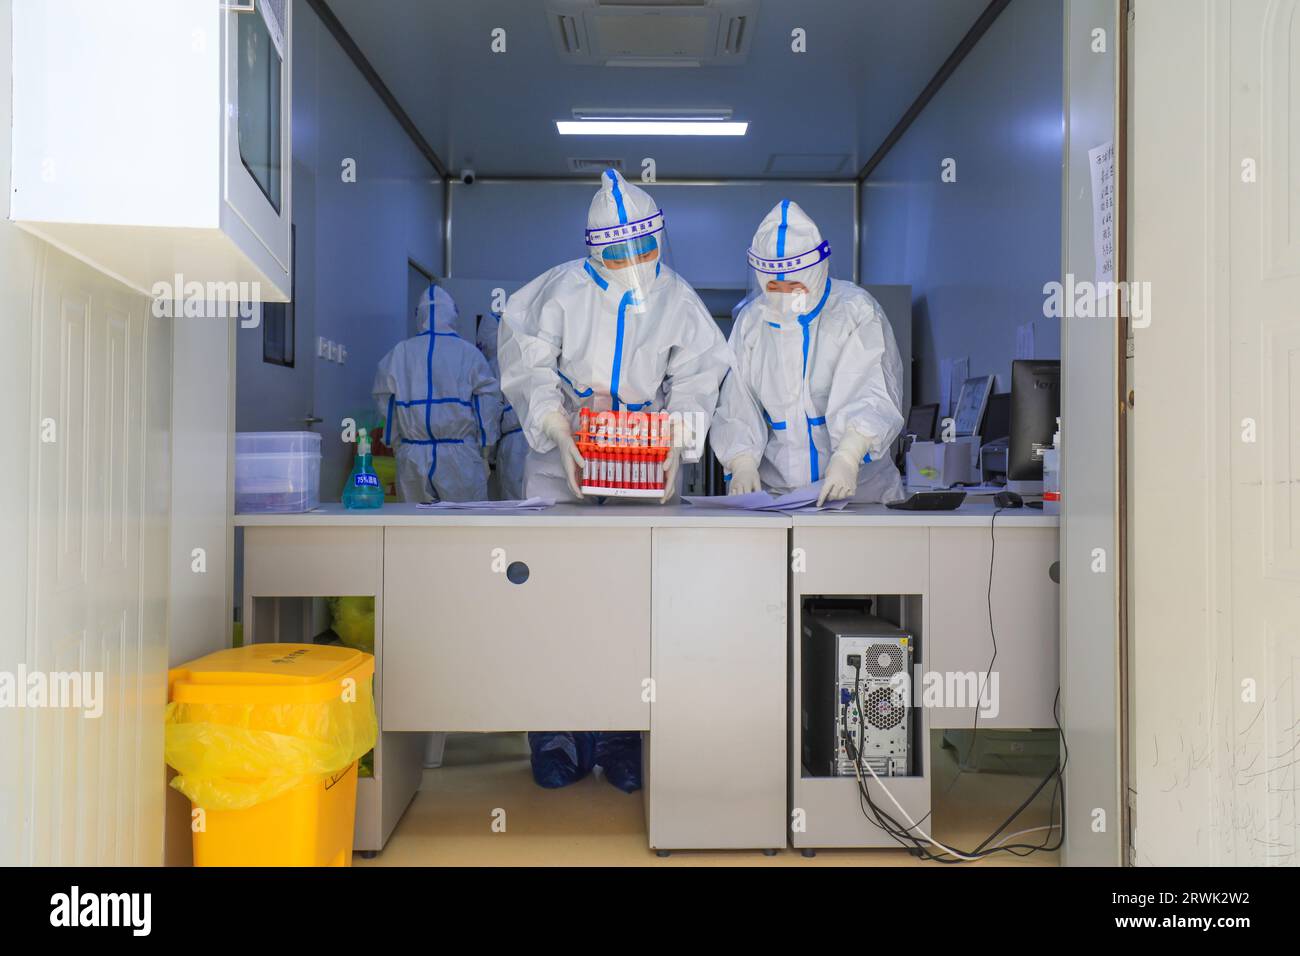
(517, 572)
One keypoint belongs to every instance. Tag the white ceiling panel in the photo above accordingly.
(817, 114)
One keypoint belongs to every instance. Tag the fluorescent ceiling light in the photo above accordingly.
(649, 128)
(654, 115)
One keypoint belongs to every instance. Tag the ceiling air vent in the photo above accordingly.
(594, 166)
(569, 35)
(652, 32)
(733, 35)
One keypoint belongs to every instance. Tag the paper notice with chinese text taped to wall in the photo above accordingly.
(1101, 166)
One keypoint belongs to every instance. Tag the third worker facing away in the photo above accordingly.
(440, 398)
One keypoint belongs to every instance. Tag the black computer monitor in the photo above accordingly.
(1035, 405)
(921, 421)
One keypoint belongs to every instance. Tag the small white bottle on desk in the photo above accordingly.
(1052, 474)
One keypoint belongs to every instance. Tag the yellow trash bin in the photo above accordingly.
(265, 740)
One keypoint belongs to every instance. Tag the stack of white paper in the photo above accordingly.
(526, 504)
(801, 499)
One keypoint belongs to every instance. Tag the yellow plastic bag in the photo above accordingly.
(233, 754)
(353, 620)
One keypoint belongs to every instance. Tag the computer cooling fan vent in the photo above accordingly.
(884, 708)
(883, 660)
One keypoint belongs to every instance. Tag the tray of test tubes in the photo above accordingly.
(624, 452)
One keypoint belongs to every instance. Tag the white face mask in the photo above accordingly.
(640, 278)
(790, 305)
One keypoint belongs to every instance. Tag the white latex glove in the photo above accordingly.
(841, 479)
(556, 427)
(744, 476)
(672, 465)
(672, 461)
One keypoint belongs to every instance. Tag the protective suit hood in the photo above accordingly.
(625, 227)
(445, 313)
(788, 247)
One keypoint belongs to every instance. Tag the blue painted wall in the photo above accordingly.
(977, 251)
(354, 240)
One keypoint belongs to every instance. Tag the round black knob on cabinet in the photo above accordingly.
(517, 572)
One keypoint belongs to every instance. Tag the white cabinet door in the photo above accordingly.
(1026, 623)
(718, 721)
(466, 648)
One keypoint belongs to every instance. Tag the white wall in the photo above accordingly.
(84, 572)
(977, 251)
(18, 262)
(516, 231)
(354, 240)
(1216, 567)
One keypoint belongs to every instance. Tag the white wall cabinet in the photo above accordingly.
(151, 139)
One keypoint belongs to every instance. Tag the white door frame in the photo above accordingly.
(1091, 561)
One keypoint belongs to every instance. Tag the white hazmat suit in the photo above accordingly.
(816, 390)
(512, 449)
(440, 398)
(619, 329)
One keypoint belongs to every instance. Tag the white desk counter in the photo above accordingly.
(572, 516)
(673, 620)
(969, 515)
(670, 620)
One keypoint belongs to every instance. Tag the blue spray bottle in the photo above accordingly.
(363, 489)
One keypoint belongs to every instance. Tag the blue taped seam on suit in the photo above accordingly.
(618, 196)
(568, 382)
(780, 234)
(435, 401)
(482, 435)
(428, 408)
(812, 452)
(616, 374)
(595, 276)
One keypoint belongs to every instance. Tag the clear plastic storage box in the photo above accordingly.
(277, 471)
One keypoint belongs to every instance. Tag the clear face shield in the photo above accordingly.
(632, 256)
(789, 286)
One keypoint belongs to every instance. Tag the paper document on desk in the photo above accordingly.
(754, 501)
(526, 504)
(801, 499)
(805, 499)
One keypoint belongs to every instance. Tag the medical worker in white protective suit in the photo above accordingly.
(441, 400)
(616, 330)
(512, 449)
(816, 390)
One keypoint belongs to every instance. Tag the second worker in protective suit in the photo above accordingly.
(618, 329)
(816, 390)
(440, 398)
(511, 450)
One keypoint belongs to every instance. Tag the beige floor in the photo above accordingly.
(450, 822)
